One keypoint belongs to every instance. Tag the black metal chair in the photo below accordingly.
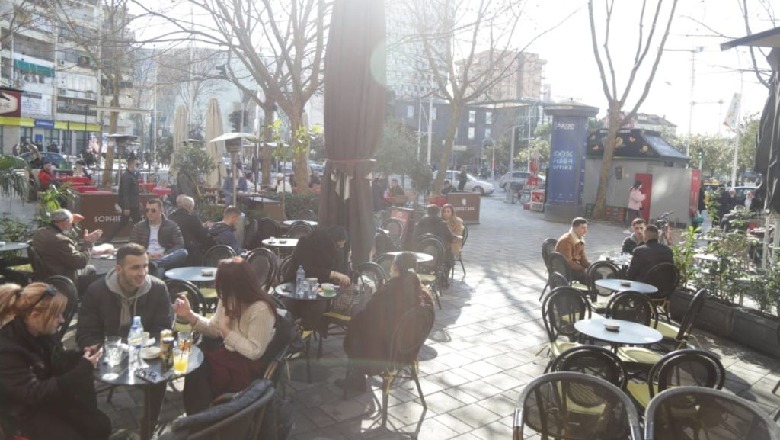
(385, 262)
(459, 257)
(217, 253)
(695, 412)
(598, 271)
(548, 247)
(178, 287)
(239, 417)
(65, 286)
(368, 277)
(264, 262)
(266, 228)
(594, 361)
(384, 243)
(39, 270)
(250, 235)
(569, 405)
(678, 336)
(299, 229)
(430, 273)
(632, 306)
(395, 228)
(665, 277)
(285, 268)
(409, 335)
(560, 310)
(559, 264)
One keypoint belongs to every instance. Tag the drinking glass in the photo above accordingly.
(185, 340)
(113, 350)
(180, 360)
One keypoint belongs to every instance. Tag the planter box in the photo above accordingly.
(744, 326)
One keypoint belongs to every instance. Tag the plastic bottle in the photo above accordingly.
(135, 340)
(300, 276)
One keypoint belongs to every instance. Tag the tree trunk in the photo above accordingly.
(614, 122)
(268, 136)
(112, 127)
(444, 160)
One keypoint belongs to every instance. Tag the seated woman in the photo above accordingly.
(455, 224)
(320, 255)
(240, 332)
(47, 392)
(370, 331)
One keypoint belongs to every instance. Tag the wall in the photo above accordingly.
(671, 186)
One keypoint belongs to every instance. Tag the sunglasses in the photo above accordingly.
(152, 210)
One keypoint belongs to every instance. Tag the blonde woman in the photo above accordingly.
(455, 224)
(48, 393)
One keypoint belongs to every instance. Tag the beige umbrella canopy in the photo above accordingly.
(180, 122)
(214, 149)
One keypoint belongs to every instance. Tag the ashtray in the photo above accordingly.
(611, 326)
(282, 241)
(625, 283)
(207, 272)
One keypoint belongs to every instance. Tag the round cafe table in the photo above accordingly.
(311, 223)
(13, 246)
(630, 333)
(281, 242)
(618, 285)
(192, 274)
(422, 257)
(153, 393)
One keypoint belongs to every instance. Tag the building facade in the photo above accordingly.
(517, 75)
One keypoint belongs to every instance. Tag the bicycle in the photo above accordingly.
(664, 228)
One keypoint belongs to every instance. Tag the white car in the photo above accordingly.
(472, 185)
(517, 177)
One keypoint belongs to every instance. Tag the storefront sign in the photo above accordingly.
(44, 123)
(10, 103)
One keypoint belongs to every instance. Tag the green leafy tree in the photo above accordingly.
(397, 153)
(193, 159)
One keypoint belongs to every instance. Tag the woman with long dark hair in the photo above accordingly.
(455, 224)
(239, 334)
(47, 392)
(370, 331)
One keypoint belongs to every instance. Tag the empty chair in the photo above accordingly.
(665, 277)
(215, 254)
(239, 417)
(264, 263)
(395, 228)
(703, 413)
(679, 368)
(459, 256)
(385, 262)
(66, 287)
(560, 310)
(631, 306)
(250, 235)
(678, 336)
(569, 405)
(299, 229)
(548, 247)
(285, 269)
(598, 271)
(431, 273)
(384, 243)
(594, 361)
(368, 277)
(266, 228)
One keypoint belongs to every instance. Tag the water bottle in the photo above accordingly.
(135, 339)
(300, 276)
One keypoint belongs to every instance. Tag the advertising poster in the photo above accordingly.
(569, 134)
(10, 103)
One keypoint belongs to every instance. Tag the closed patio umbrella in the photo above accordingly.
(354, 118)
(215, 149)
(179, 131)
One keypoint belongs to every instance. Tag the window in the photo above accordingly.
(433, 113)
(472, 132)
(488, 118)
(409, 111)
(488, 133)
(472, 117)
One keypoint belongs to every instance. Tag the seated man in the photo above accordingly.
(224, 232)
(395, 190)
(448, 188)
(572, 246)
(637, 238)
(648, 255)
(60, 254)
(160, 237)
(109, 304)
(46, 176)
(195, 234)
(432, 223)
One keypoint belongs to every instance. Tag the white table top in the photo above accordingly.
(618, 285)
(281, 242)
(13, 246)
(308, 222)
(194, 274)
(421, 256)
(630, 333)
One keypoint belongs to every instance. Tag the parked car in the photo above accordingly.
(54, 158)
(518, 178)
(473, 184)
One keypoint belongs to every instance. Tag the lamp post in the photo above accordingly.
(233, 146)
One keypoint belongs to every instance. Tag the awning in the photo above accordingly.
(770, 38)
(33, 68)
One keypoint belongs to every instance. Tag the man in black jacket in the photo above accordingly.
(196, 236)
(637, 238)
(160, 237)
(224, 232)
(128, 198)
(648, 255)
(108, 307)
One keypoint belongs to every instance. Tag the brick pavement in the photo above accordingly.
(480, 354)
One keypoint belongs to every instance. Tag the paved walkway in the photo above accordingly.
(483, 349)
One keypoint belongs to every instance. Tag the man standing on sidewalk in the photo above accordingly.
(128, 200)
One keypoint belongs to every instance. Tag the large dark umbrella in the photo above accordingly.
(354, 118)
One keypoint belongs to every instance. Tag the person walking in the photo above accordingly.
(635, 199)
(463, 177)
(128, 199)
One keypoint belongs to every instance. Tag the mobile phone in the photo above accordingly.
(151, 376)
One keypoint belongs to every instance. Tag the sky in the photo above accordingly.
(699, 26)
(572, 71)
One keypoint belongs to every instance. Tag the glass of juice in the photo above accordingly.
(180, 360)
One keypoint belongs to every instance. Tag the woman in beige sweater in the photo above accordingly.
(455, 224)
(236, 337)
